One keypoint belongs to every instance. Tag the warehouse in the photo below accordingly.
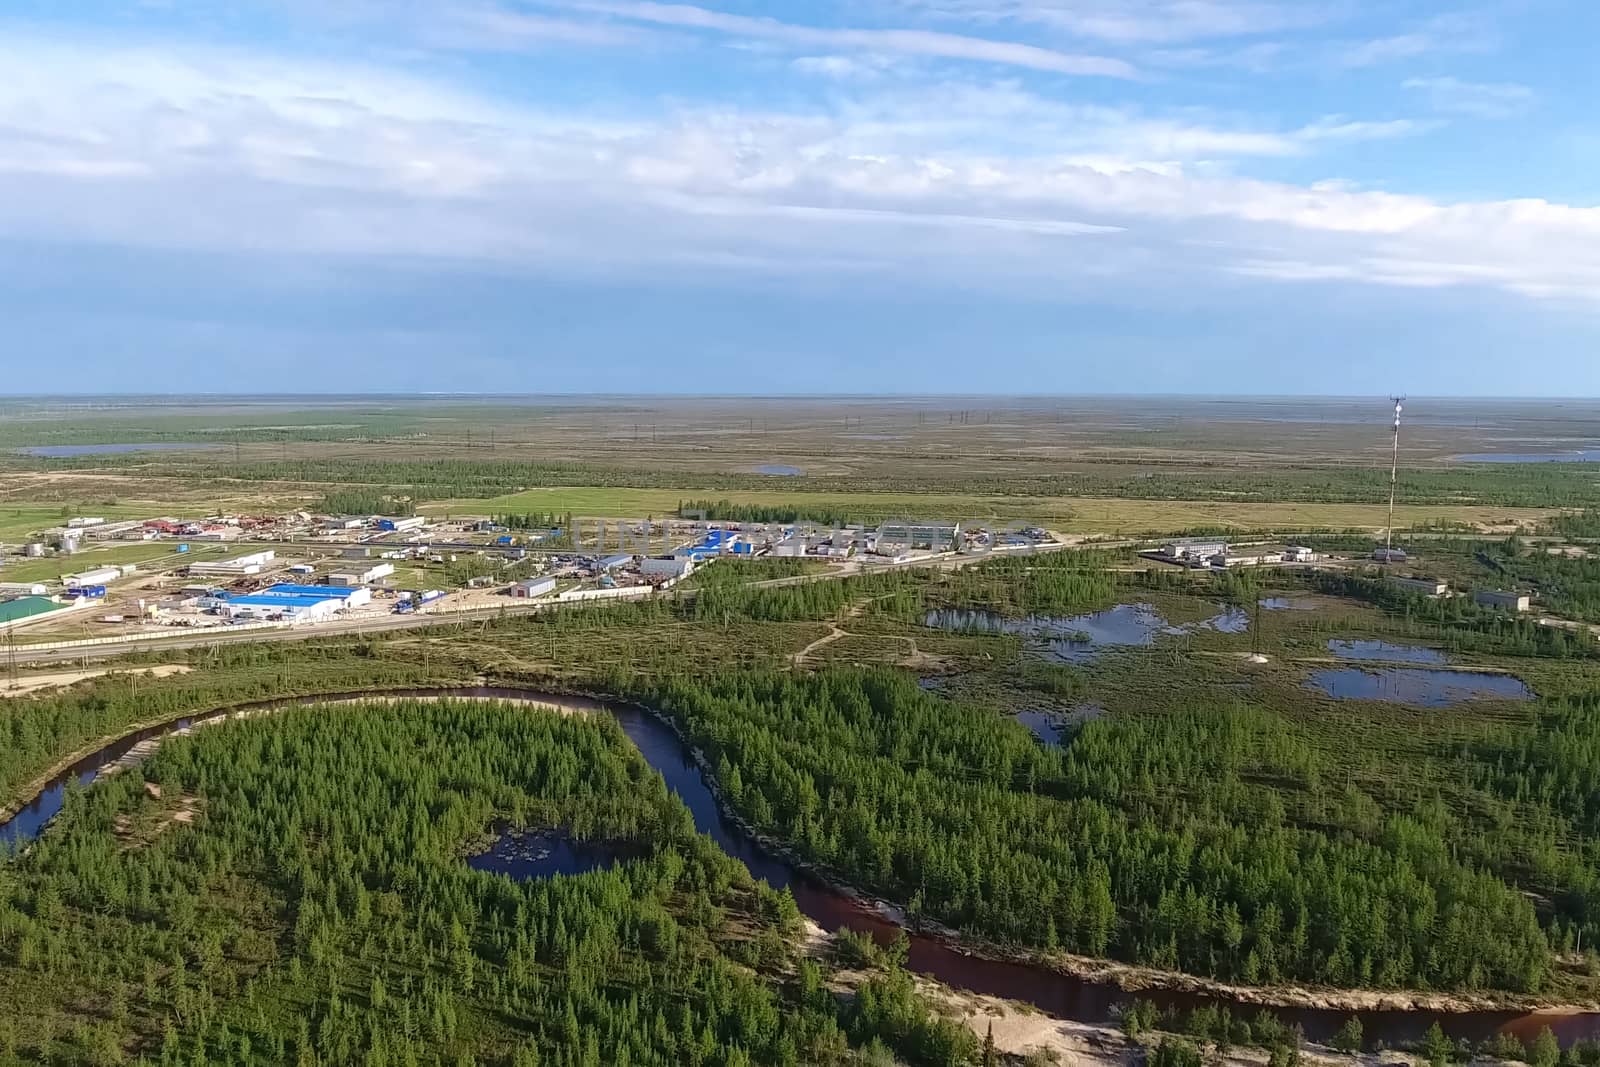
(534, 587)
(240, 565)
(347, 596)
(344, 522)
(10, 589)
(1488, 598)
(667, 567)
(217, 531)
(937, 537)
(612, 563)
(1430, 587)
(98, 576)
(1194, 548)
(410, 522)
(363, 577)
(28, 610)
(302, 608)
(106, 531)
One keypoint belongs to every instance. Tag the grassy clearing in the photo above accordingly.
(1069, 514)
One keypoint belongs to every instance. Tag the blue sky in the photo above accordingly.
(740, 196)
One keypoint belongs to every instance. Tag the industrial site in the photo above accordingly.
(93, 578)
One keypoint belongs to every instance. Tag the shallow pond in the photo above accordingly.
(1383, 651)
(1417, 686)
(68, 451)
(524, 854)
(1288, 603)
(1044, 725)
(780, 470)
(1080, 638)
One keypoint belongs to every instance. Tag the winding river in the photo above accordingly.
(1050, 991)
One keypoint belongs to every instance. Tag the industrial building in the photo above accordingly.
(666, 567)
(410, 522)
(534, 587)
(1194, 549)
(27, 610)
(363, 577)
(344, 522)
(298, 602)
(11, 589)
(1489, 598)
(714, 543)
(217, 531)
(106, 531)
(1390, 555)
(1425, 586)
(1299, 554)
(240, 565)
(612, 563)
(938, 537)
(80, 523)
(305, 608)
(791, 548)
(98, 576)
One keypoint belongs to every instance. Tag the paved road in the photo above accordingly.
(383, 623)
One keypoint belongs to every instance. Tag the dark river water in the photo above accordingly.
(1046, 989)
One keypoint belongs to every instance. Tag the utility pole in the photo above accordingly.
(1394, 478)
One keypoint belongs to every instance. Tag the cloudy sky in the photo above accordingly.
(1269, 196)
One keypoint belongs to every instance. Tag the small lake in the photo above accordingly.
(1288, 603)
(69, 451)
(1081, 638)
(523, 854)
(1417, 686)
(1580, 455)
(1384, 652)
(780, 470)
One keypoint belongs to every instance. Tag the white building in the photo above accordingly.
(668, 567)
(364, 577)
(1506, 601)
(80, 523)
(345, 522)
(534, 587)
(1426, 586)
(1194, 549)
(10, 589)
(794, 546)
(239, 565)
(1299, 554)
(98, 576)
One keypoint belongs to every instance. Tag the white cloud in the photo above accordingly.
(966, 185)
(1478, 99)
(1447, 33)
(1139, 21)
(913, 42)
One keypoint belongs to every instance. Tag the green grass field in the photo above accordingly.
(1086, 515)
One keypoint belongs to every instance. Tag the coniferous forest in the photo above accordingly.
(293, 890)
(1153, 840)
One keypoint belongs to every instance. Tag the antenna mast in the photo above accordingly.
(1394, 477)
